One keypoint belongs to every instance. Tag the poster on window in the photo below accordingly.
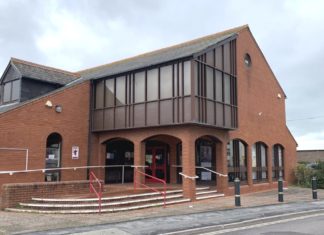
(75, 152)
(205, 156)
(206, 175)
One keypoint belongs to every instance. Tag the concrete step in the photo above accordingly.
(96, 204)
(105, 210)
(95, 199)
(210, 196)
(206, 192)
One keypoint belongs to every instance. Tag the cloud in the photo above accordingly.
(78, 34)
(314, 140)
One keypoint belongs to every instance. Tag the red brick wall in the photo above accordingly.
(29, 126)
(258, 92)
(12, 194)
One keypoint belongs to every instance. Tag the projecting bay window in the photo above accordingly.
(215, 87)
(277, 162)
(236, 160)
(150, 97)
(11, 91)
(197, 89)
(259, 162)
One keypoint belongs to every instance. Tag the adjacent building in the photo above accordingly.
(210, 107)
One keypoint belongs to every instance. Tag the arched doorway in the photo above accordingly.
(206, 159)
(161, 157)
(119, 159)
(53, 157)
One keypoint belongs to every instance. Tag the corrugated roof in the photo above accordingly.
(160, 56)
(43, 73)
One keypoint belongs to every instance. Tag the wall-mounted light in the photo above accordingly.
(279, 96)
(58, 108)
(49, 104)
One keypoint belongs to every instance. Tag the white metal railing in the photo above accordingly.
(19, 149)
(188, 177)
(71, 168)
(215, 172)
(204, 168)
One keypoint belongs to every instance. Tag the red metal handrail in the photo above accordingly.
(93, 179)
(136, 171)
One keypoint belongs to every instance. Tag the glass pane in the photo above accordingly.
(209, 83)
(97, 120)
(166, 82)
(187, 109)
(180, 80)
(15, 90)
(120, 117)
(280, 160)
(230, 154)
(140, 87)
(219, 114)
(210, 58)
(219, 58)
(228, 116)
(254, 175)
(152, 113)
(110, 93)
(175, 80)
(159, 158)
(187, 78)
(227, 58)
(263, 156)
(99, 95)
(254, 156)
(109, 119)
(139, 115)
(264, 174)
(166, 112)
(227, 89)
(120, 90)
(210, 112)
(152, 84)
(242, 154)
(219, 86)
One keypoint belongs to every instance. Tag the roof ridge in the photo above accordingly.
(232, 30)
(45, 67)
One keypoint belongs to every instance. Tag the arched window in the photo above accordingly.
(277, 162)
(236, 160)
(53, 157)
(259, 162)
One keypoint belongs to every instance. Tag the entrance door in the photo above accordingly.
(155, 160)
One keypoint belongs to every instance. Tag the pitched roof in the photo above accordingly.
(159, 56)
(43, 73)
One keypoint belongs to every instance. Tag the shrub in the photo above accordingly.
(305, 172)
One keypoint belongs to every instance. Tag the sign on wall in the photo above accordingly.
(75, 152)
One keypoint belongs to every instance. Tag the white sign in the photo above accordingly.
(205, 175)
(75, 152)
(51, 156)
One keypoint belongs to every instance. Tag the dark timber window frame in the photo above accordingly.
(259, 170)
(11, 98)
(277, 166)
(235, 167)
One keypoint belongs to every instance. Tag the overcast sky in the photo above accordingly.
(77, 34)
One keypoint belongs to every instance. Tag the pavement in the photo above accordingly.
(19, 223)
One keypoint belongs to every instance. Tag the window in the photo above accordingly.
(277, 162)
(11, 91)
(236, 160)
(259, 162)
(209, 83)
(120, 90)
(152, 84)
(187, 78)
(139, 87)
(166, 82)
(247, 60)
(110, 93)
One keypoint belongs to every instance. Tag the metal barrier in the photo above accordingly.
(68, 168)
(93, 178)
(136, 171)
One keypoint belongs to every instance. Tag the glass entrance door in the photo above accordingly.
(155, 160)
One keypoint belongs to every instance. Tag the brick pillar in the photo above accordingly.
(249, 165)
(188, 167)
(139, 160)
(173, 162)
(269, 164)
(221, 167)
(100, 172)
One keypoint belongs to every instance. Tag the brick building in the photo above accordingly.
(210, 107)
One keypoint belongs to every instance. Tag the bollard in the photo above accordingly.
(314, 187)
(280, 190)
(237, 192)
